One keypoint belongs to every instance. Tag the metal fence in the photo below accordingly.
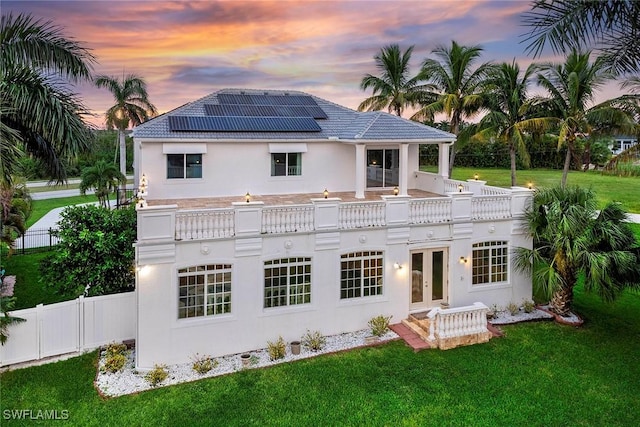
(125, 197)
(36, 240)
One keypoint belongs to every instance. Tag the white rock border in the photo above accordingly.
(128, 380)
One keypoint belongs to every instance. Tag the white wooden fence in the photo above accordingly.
(71, 326)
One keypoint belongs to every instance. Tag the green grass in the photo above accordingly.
(539, 374)
(28, 291)
(42, 207)
(625, 190)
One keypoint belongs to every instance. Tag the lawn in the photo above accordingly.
(539, 373)
(42, 207)
(29, 291)
(625, 190)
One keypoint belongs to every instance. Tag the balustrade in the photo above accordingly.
(359, 215)
(491, 207)
(287, 219)
(434, 210)
(457, 322)
(205, 224)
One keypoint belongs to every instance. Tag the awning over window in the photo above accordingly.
(184, 148)
(288, 147)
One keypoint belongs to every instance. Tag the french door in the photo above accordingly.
(429, 278)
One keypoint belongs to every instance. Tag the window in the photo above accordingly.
(286, 164)
(287, 281)
(204, 290)
(184, 166)
(361, 274)
(383, 168)
(490, 262)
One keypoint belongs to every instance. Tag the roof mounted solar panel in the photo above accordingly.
(231, 98)
(239, 110)
(242, 124)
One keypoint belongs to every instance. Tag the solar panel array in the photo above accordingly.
(254, 113)
(242, 124)
(244, 110)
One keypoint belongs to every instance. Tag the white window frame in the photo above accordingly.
(297, 286)
(490, 263)
(365, 281)
(185, 166)
(290, 170)
(214, 297)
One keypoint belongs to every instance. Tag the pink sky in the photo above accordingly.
(187, 49)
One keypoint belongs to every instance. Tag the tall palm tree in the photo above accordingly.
(104, 177)
(572, 238)
(571, 87)
(507, 89)
(15, 209)
(132, 107)
(393, 89)
(38, 112)
(610, 25)
(455, 88)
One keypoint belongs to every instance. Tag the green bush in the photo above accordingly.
(156, 375)
(277, 350)
(95, 255)
(203, 364)
(115, 348)
(513, 308)
(314, 341)
(379, 325)
(114, 362)
(528, 306)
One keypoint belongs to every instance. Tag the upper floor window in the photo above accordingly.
(361, 274)
(204, 290)
(286, 164)
(184, 166)
(490, 262)
(287, 281)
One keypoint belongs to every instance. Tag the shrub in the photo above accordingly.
(115, 348)
(379, 325)
(277, 350)
(115, 362)
(95, 255)
(513, 308)
(157, 375)
(203, 364)
(528, 306)
(314, 341)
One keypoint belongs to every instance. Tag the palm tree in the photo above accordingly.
(611, 25)
(6, 304)
(37, 110)
(132, 107)
(572, 238)
(15, 209)
(571, 87)
(454, 88)
(104, 177)
(507, 98)
(394, 89)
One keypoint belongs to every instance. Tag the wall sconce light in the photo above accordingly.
(463, 260)
(396, 190)
(476, 176)
(460, 188)
(143, 180)
(530, 185)
(142, 191)
(325, 193)
(397, 265)
(247, 197)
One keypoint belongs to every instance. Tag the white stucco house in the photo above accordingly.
(621, 143)
(270, 213)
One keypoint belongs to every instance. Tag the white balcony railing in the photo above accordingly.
(205, 224)
(457, 322)
(434, 210)
(287, 219)
(359, 215)
(491, 207)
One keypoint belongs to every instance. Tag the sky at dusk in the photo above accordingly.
(188, 49)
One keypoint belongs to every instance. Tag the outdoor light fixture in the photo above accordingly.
(247, 197)
(530, 185)
(397, 265)
(396, 190)
(460, 188)
(143, 180)
(142, 191)
(463, 260)
(325, 193)
(476, 177)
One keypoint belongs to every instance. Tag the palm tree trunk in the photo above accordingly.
(123, 165)
(565, 169)
(561, 301)
(512, 154)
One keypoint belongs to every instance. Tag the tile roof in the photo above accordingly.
(342, 123)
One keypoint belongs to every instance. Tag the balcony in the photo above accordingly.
(438, 201)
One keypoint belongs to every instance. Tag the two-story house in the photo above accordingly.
(270, 213)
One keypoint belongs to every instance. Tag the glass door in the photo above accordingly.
(429, 278)
(383, 168)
